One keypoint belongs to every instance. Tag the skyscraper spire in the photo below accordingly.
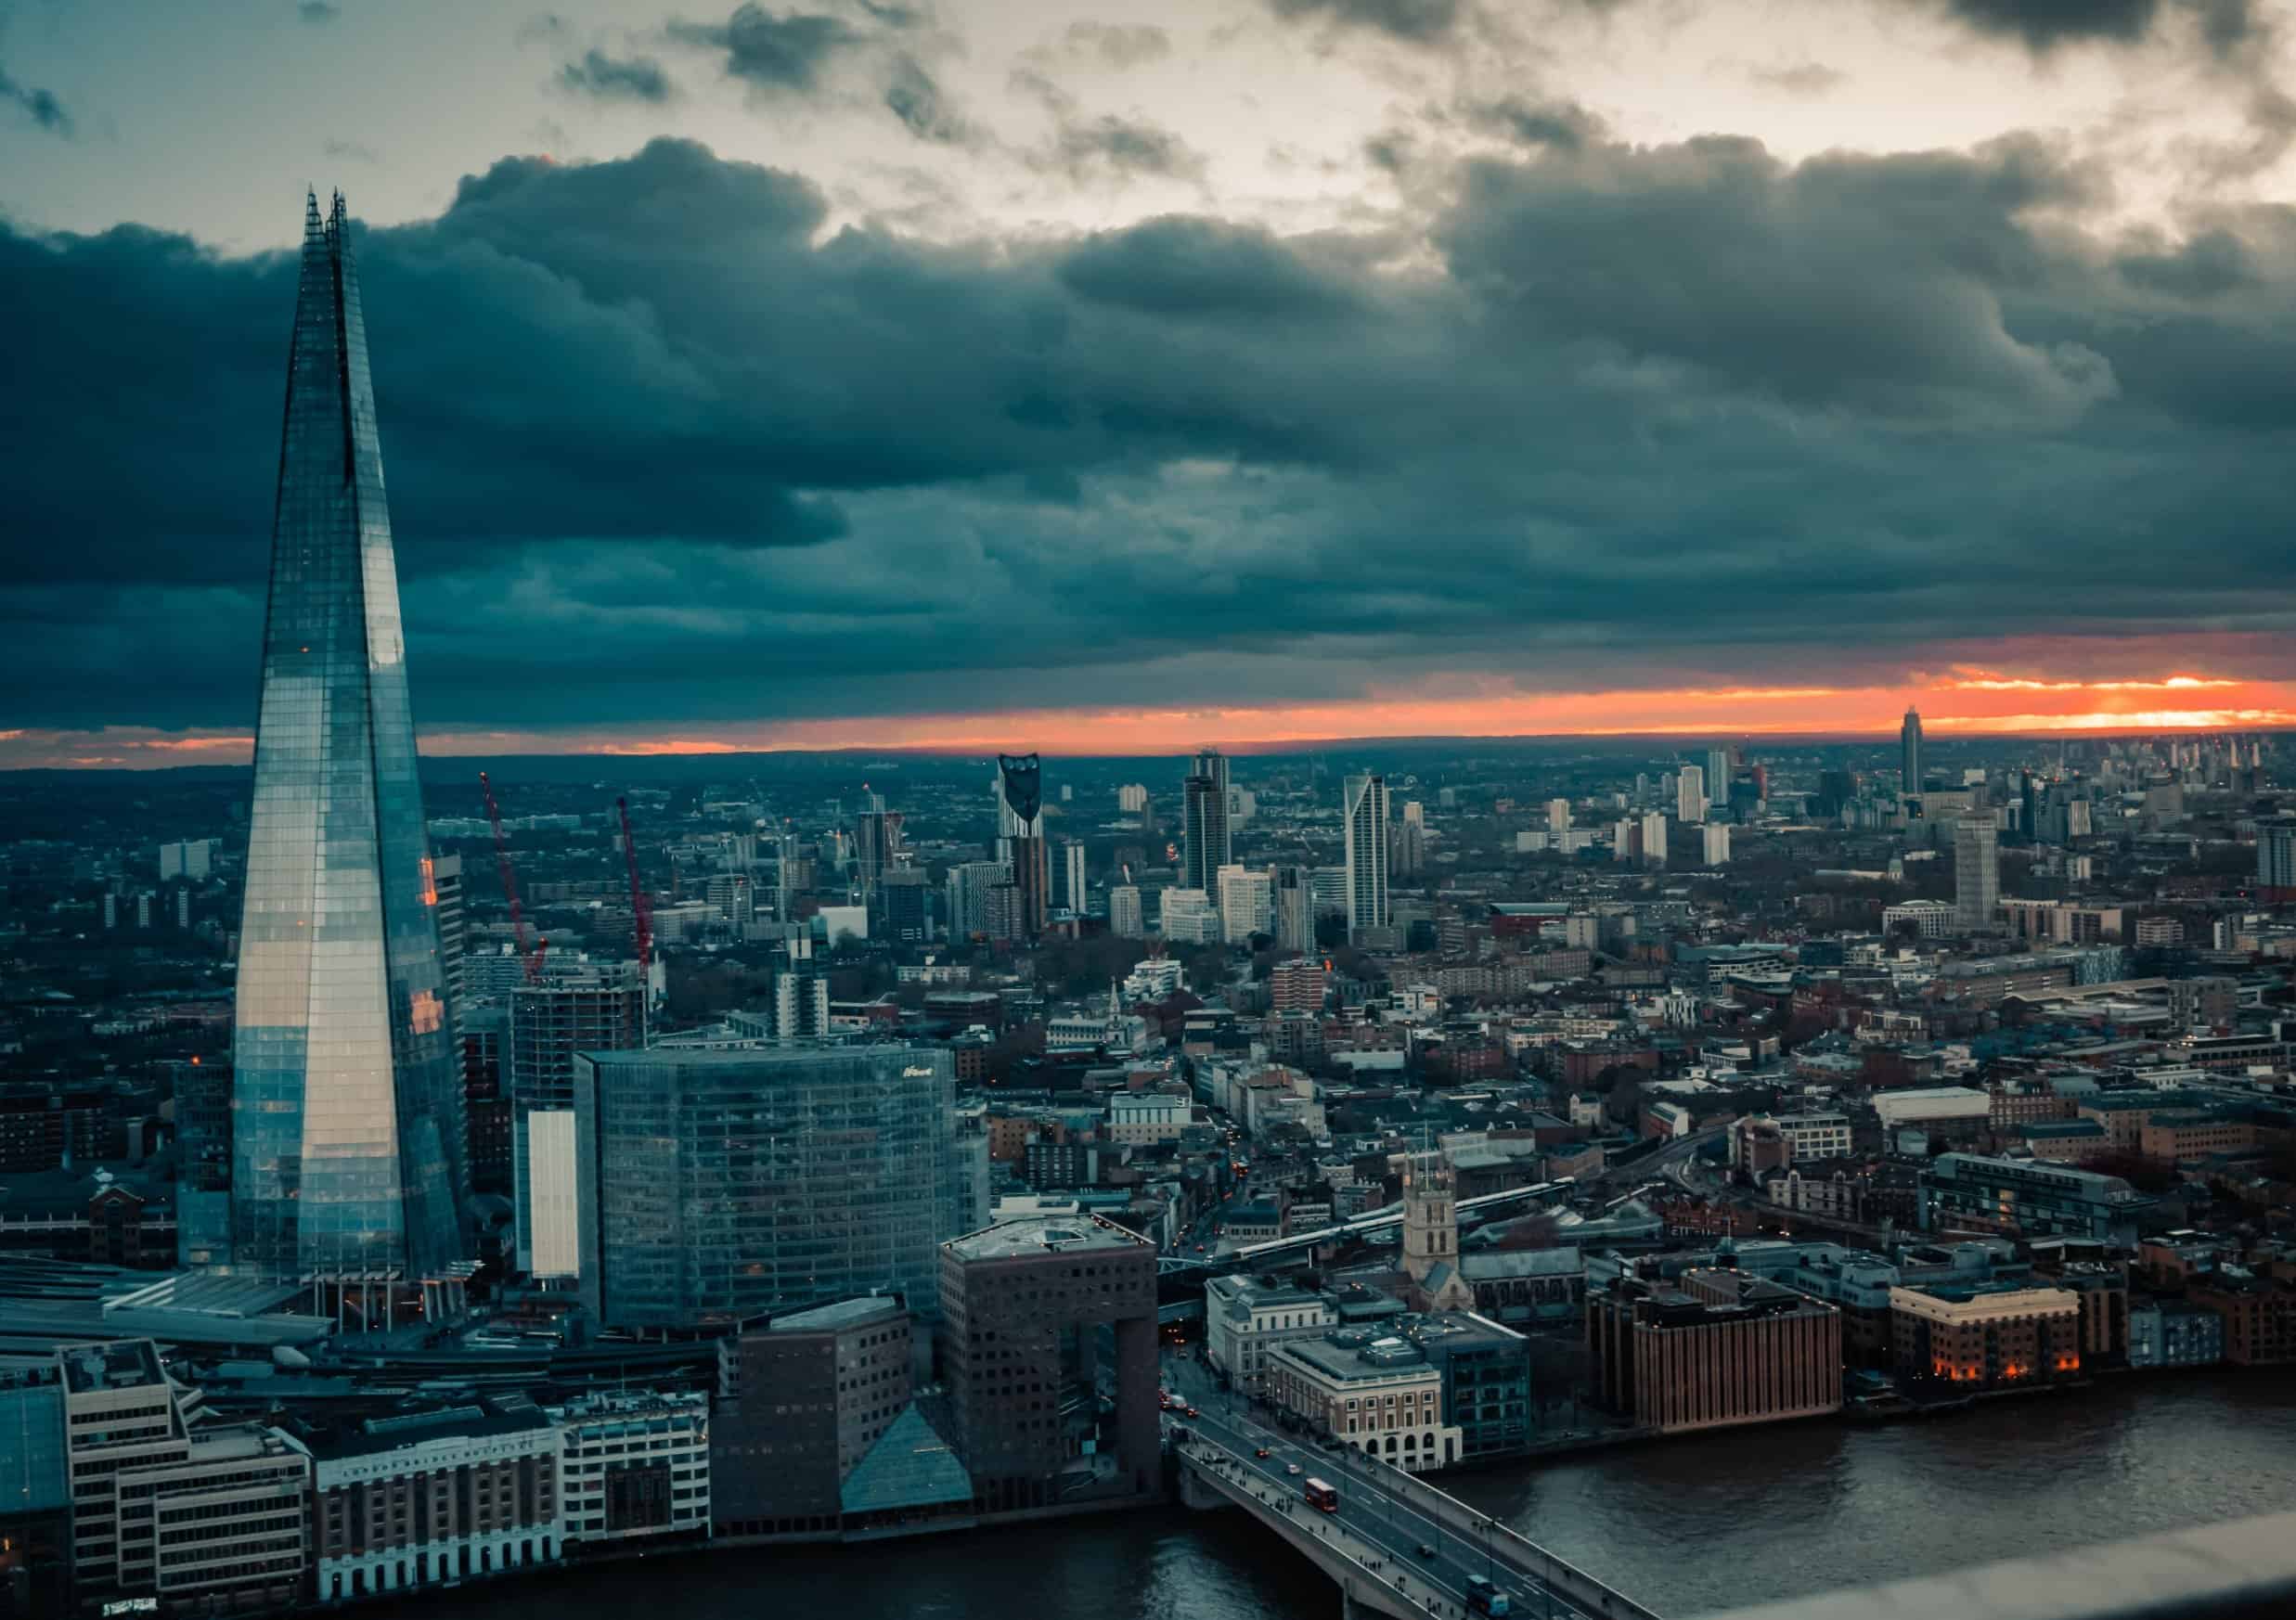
(347, 1154)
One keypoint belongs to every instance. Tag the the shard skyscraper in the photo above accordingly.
(347, 1151)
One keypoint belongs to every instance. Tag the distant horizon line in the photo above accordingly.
(1245, 747)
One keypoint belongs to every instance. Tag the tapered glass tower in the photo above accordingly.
(347, 1152)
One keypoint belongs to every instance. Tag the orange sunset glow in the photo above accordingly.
(1962, 701)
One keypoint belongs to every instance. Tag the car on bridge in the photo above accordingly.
(1426, 1549)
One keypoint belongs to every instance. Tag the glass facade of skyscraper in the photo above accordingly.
(347, 1154)
(717, 1183)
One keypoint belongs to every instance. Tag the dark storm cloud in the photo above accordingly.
(318, 11)
(1418, 22)
(659, 444)
(1537, 123)
(42, 106)
(2042, 25)
(769, 50)
(611, 78)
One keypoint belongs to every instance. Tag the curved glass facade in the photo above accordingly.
(347, 1152)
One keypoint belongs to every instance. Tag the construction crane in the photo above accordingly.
(641, 913)
(532, 964)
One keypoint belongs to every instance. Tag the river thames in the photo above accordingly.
(1687, 1526)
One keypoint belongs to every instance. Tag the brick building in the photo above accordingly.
(1990, 1336)
(1721, 1349)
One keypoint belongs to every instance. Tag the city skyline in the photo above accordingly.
(850, 377)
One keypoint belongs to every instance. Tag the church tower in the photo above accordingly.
(1431, 1236)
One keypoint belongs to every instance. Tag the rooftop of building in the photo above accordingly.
(1037, 1235)
(840, 1315)
(121, 1364)
(1360, 1356)
(2058, 1129)
(400, 1430)
(1260, 1293)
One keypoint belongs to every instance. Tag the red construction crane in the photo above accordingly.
(533, 964)
(641, 912)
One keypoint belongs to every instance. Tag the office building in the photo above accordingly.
(1074, 890)
(1363, 816)
(1247, 904)
(1978, 1193)
(1030, 857)
(1909, 754)
(807, 1396)
(347, 1158)
(1717, 770)
(1716, 835)
(1032, 1313)
(1718, 1347)
(1207, 845)
(35, 1487)
(1558, 817)
(1293, 901)
(2275, 853)
(1369, 1389)
(1977, 871)
(1245, 1317)
(1124, 912)
(634, 1465)
(1486, 1372)
(721, 1182)
(580, 1007)
(184, 1520)
(1690, 794)
(1133, 798)
(1993, 1335)
(430, 1497)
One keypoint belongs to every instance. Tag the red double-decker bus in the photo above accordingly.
(1321, 1494)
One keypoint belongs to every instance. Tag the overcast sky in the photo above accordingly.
(1025, 373)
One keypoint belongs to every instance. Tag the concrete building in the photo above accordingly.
(1722, 1347)
(1295, 909)
(1187, 916)
(1247, 904)
(1655, 839)
(1041, 1321)
(1716, 836)
(1690, 794)
(432, 1496)
(1146, 1118)
(635, 1466)
(1977, 871)
(191, 1521)
(1374, 1390)
(1909, 754)
(1990, 1336)
(1124, 920)
(1246, 1318)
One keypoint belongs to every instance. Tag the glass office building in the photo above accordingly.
(347, 1152)
(717, 1183)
